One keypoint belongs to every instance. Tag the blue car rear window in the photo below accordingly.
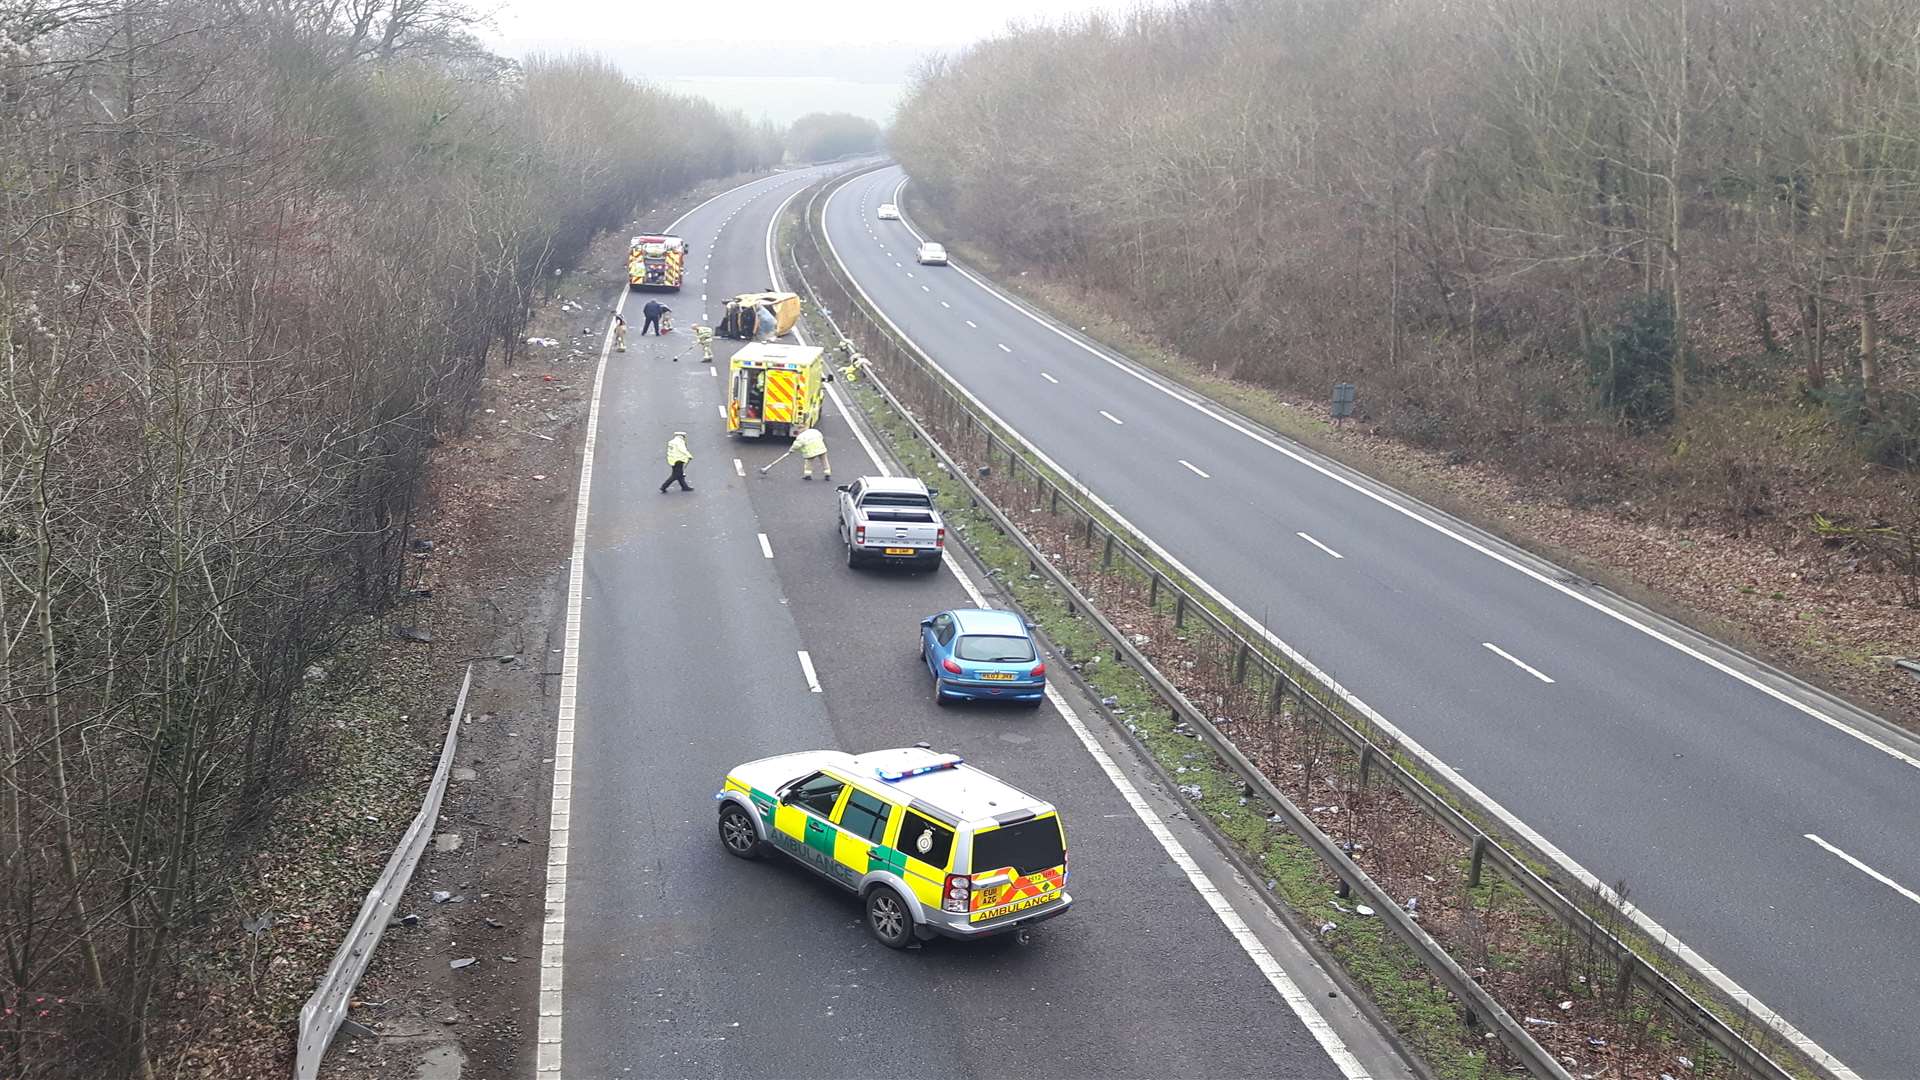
(994, 648)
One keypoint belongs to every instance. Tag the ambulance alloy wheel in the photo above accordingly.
(737, 833)
(888, 919)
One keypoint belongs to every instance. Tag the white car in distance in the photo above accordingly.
(889, 212)
(931, 254)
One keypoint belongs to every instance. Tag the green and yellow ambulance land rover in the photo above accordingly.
(933, 845)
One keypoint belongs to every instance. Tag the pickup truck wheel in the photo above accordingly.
(853, 557)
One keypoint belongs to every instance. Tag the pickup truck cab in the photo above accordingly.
(890, 519)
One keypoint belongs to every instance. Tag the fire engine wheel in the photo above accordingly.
(888, 919)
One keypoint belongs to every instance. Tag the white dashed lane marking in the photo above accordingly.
(973, 324)
(1050, 378)
(806, 666)
(739, 467)
(1111, 417)
(1319, 545)
(1868, 870)
(1516, 661)
(766, 546)
(1195, 469)
(1003, 348)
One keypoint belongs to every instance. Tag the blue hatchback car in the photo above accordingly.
(984, 655)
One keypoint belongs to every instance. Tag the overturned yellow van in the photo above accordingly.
(762, 315)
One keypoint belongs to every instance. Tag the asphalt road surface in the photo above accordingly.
(1764, 829)
(679, 960)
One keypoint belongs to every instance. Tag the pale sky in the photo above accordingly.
(626, 23)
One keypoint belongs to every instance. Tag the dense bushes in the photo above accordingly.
(825, 136)
(252, 259)
(1467, 211)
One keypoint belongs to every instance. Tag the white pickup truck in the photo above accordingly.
(890, 519)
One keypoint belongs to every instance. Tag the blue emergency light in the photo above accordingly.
(945, 761)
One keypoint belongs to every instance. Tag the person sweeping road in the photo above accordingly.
(810, 444)
(677, 458)
(703, 336)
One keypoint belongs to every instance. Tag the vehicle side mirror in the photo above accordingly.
(928, 621)
(933, 493)
(829, 376)
(844, 487)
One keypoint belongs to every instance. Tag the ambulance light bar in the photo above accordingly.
(942, 763)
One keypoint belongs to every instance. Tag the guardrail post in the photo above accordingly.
(1053, 507)
(1240, 664)
(1279, 695)
(1153, 590)
(1106, 558)
(1479, 855)
(1180, 611)
(1089, 537)
(1366, 763)
(1623, 979)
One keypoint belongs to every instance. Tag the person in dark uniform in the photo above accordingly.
(653, 311)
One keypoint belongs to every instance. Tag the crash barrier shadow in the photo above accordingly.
(939, 415)
(321, 1017)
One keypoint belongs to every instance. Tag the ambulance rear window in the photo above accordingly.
(1027, 847)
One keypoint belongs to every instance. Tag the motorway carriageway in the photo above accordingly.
(710, 628)
(1767, 826)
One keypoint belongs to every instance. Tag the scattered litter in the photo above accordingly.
(1596, 1043)
(442, 896)
(1191, 791)
(1338, 906)
(315, 673)
(446, 841)
(1565, 1005)
(1141, 640)
(539, 476)
(509, 959)
(1109, 702)
(465, 961)
(1362, 909)
(259, 924)
(408, 920)
(543, 342)
(1685, 1061)
(1329, 926)
(496, 924)
(1534, 1021)
(1413, 904)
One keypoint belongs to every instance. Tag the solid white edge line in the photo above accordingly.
(1256, 950)
(1111, 417)
(766, 546)
(1868, 870)
(1319, 545)
(553, 932)
(806, 667)
(1516, 661)
(1739, 996)
(1195, 469)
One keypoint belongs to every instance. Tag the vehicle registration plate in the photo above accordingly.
(899, 551)
(1018, 905)
(997, 676)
